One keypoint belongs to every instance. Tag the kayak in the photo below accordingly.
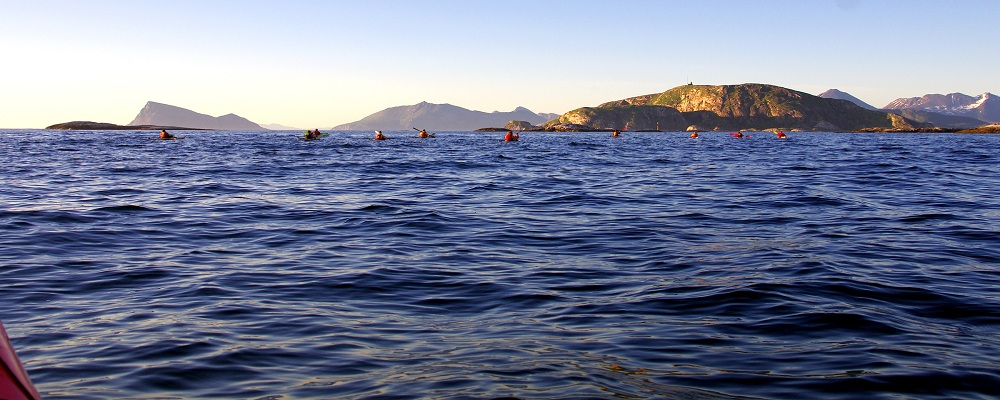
(423, 134)
(171, 138)
(14, 382)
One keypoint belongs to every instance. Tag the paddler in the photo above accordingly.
(781, 135)
(694, 135)
(423, 134)
(379, 136)
(616, 133)
(164, 135)
(511, 137)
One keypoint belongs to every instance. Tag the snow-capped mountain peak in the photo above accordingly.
(985, 107)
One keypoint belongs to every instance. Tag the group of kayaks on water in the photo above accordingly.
(421, 133)
(14, 382)
(740, 135)
(509, 137)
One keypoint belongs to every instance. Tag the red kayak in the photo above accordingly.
(14, 382)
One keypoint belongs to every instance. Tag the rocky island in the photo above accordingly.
(520, 126)
(749, 106)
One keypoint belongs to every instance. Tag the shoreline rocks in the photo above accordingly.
(904, 130)
(991, 128)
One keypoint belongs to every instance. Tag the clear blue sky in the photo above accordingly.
(322, 63)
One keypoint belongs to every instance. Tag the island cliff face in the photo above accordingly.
(732, 107)
(167, 115)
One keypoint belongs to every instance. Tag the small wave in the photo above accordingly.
(817, 325)
(930, 217)
(381, 208)
(124, 209)
(817, 201)
(57, 217)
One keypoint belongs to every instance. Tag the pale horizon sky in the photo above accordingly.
(309, 64)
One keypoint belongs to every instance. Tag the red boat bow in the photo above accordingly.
(14, 382)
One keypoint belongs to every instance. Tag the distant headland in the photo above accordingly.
(158, 116)
(164, 114)
(104, 126)
(441, 117)
(992, 128)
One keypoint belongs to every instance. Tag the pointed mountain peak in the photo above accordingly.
(841, 95)
(160, 114)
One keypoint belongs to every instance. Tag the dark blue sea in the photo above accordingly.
(256, 265)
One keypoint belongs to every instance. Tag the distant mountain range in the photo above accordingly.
(703, 107)
(985, 107)
(279, 127)
(164, 114)
(953, 111)
(939, 120)
(441, 117)
(750, 106)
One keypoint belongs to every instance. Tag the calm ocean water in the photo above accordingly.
(564, 266)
